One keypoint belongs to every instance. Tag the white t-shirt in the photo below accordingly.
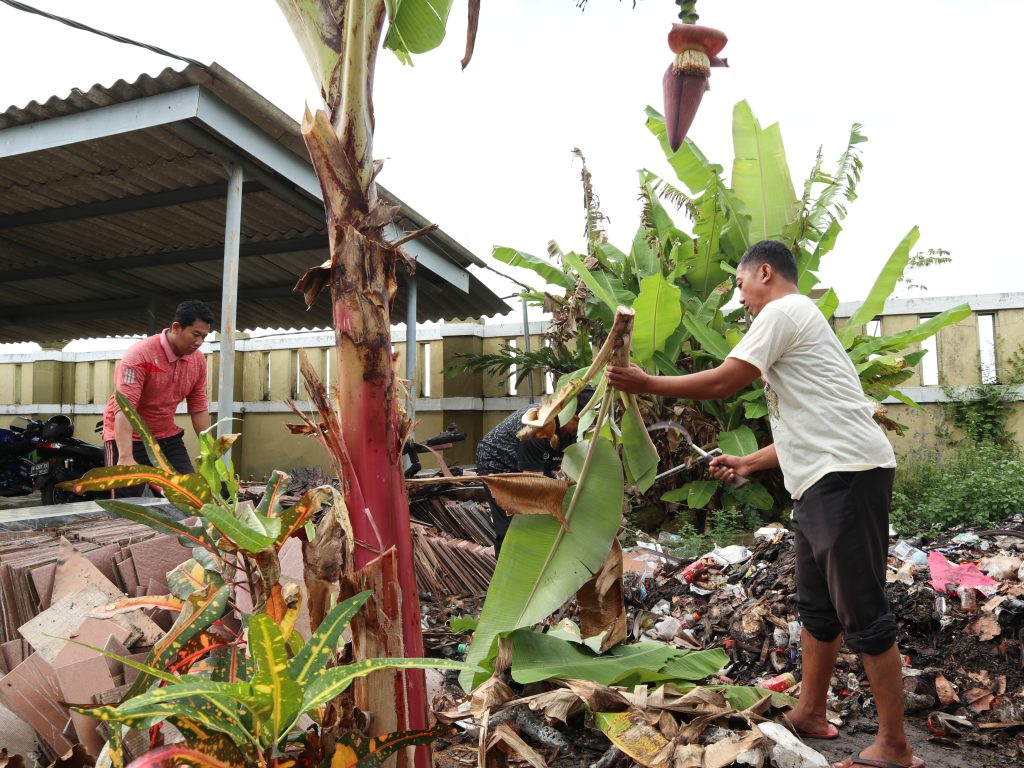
(821, 420)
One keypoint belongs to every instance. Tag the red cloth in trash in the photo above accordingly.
(944, 573)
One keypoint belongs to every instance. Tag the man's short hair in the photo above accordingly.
(189, 311)
(583, 397)
(774, 254)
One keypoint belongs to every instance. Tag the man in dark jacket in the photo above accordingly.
(501, 452)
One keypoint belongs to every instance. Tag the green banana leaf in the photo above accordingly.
(828, 303)
(600, 289)
(541, 566)
(645, 258)
(695, 494)
(691, 166)
(710, 340)
(639, 455)
(417, 26)
(760, 175)
(884, 285)
(658, 313)
(544, 268)
(737, 442)
(537, 656)
(898, 341)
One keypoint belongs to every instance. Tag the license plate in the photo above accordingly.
(39, 469)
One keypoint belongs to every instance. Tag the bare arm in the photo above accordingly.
(200, 421)
(123, 439)
(727, 467)
(714, 384)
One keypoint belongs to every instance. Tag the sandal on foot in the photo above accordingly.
(830, 732)
(850, 762)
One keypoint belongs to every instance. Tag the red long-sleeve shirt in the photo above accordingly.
(155, 380)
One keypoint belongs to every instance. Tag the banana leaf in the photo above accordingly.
(658, 313)
(828, 303)
(760, 175)
(710, 340)
(537, 656)
(695, 494)
(639, 455)
(416, 26)
(599, 288)
(691, 166)
(645, 259)
(541, 566)
(737, 442)
(884, 285)
(544, 268)
(898, 341)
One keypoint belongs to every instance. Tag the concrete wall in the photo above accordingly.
(266, 372)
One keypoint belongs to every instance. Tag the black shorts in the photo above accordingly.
(842, 542)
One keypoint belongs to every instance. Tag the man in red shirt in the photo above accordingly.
(156, 374)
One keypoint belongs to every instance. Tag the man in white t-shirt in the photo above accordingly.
(838, 467)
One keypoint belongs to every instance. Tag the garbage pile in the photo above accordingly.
(958, 601)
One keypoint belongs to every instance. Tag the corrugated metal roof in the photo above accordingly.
(96, 233)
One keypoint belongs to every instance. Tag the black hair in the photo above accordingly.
(189, 311)
(583, 397)
(774, 254)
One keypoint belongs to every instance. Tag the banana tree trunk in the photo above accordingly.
(361, 275)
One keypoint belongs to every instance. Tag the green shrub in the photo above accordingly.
(979, 484)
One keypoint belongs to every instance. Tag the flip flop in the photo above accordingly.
(830, 732)
(916, 762)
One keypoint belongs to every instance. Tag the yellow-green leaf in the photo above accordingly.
(281, 696)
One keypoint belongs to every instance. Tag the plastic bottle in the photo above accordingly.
(968, 599)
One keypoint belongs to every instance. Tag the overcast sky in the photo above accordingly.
(487, 152)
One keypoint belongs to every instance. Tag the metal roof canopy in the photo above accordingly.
(117, 203)
(112, 210)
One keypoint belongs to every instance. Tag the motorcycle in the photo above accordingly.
(17, 464)
(60, 456)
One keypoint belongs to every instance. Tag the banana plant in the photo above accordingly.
(680, 281)
(340, 40)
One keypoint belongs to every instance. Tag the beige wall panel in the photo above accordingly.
(103, 380)
(46, 381)
(896, 324)
(267, 445)
(959, 362)
(282, 374)
(1009, 341)
(465, 384)
(491, 385)
(254, 376)
(10, 380)
(25, 387)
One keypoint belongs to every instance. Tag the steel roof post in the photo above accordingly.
(410, 345)
(229, 301)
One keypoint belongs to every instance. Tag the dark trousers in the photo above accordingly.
(173, 448)
(499, 520)
(841, 528)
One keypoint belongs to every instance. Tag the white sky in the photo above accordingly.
(486, 152)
